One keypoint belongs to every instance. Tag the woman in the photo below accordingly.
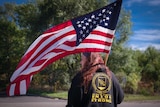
(95, 85)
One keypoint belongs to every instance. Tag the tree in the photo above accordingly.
(35, 17)
(149, 60)
(11, 43)
(119, 54)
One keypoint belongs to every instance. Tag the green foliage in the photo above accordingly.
(145, 91)
(122, 77)
(124, 26)
(151, 62)
(22, 24)
(132, 82)
(12, 43)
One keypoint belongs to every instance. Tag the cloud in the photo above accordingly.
(144, 46)
(149, 2)
(154, 2)
(142, 39)
(146, 35)
(130, 2)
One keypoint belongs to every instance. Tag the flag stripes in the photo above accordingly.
(93, 32)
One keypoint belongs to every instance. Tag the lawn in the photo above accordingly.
(128, 97)
(135, 97)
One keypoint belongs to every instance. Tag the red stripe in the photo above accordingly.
(39, 62)
(49, 45)
(17, 88)
(42, 63)
(61, 50)
(73, 52)
(42, 50)
(102, 33)
(28, 80)
(66, 43)
(8, 89)
(59, 27)
(30, 53)
(22, 77)
(97, 42)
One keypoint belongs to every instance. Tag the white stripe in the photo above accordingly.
(91, 36)
(105, 30)
(54, 46)
(91, 45)
(37, 41)
(45, 35)
(23, 87)
(70, 28)
(50, 39)
(67, 48)
(31, 77)
(98, 37)
(17, 72)
(36, 68)
(81, 46)
(12, 89)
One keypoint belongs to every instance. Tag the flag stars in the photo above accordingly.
(82, 21)
(87, 31)
(104, 16)
(86, 23)
(80, 39)
(83, 35)
(100, 14)
(81, 32)
(79, 25)
(101, 21)
(104, 10)
(85, 18)
(106, 24)
(97, 18)
(84, 27)
(101, 18)
(78, 22)
(93, 16)
(89, 20)
(94, 22)
(107, 18)
(90, 26)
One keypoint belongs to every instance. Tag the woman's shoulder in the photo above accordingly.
(77, 78)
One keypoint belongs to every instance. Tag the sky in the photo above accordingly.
(145, 17)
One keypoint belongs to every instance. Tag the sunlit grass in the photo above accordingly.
(61, 94)
(128, 97)
(135, 97)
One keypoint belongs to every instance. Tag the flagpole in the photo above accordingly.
(106, 59)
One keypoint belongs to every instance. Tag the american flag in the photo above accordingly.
(93, 32)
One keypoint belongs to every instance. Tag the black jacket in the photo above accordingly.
(103, 92)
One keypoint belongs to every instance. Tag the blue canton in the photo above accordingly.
(106, 17)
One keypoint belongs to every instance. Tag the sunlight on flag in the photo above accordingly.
(93, 32)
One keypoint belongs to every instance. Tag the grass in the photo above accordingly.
(60, 95)
(128, 97)
(135, 97)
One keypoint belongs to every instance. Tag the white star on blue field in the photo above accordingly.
(145, 16)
